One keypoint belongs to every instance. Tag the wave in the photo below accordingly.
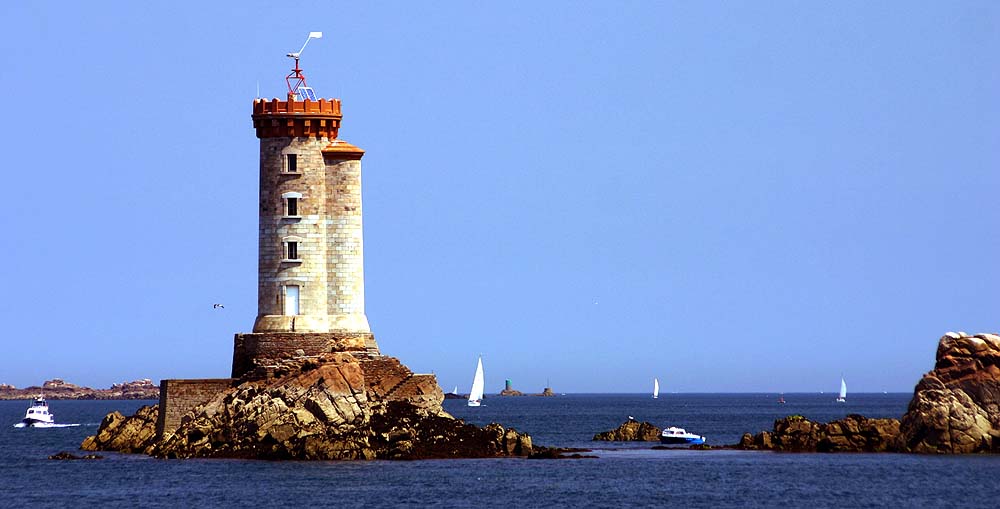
(44, 425)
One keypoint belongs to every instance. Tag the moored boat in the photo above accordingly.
(677, 436)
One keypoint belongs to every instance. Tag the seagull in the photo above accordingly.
(218, 306)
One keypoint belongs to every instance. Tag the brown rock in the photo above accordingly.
(125, 434)
(853, 433)
(335, 407)
(956, 407)
(631, 431)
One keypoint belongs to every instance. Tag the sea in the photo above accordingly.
(621, 475)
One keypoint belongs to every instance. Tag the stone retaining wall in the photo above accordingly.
(178, 397)
(260, 349)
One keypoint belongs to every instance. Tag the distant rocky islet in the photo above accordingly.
(59, 389)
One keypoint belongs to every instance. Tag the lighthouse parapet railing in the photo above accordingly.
(277, 107)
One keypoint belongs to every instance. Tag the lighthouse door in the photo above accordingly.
(291, 300)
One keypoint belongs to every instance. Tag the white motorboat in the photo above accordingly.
(38, 413)
(675, 436)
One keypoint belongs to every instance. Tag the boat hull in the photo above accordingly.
(682, 440)
(34, 422)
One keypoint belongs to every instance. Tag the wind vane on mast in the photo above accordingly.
(300, 90)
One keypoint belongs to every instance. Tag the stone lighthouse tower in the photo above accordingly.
(310, 279)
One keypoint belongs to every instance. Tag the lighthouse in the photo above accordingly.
(310, 270)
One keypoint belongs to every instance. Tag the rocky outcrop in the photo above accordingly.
(136, 433)
(956, 407)
(547, 392)
(331, 407)
(853, 433)
(631, 431)
(59, 389)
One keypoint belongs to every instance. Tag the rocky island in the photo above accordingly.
(955, 410)
(631, 431)
(59, 389)
(330, 407)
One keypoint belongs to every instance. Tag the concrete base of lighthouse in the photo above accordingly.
(260, 355)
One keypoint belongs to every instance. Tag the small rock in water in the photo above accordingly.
(68, 456)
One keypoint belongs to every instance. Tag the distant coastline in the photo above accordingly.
(59, 389)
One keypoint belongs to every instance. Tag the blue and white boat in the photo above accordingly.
(675, 436)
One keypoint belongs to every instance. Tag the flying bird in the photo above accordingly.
(218, 306)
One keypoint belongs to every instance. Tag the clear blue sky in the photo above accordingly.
(731, 196)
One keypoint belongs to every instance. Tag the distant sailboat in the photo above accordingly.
(455, 390)
(842, 398)
(478, 383)
(656, 388)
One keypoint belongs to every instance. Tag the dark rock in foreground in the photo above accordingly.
(631, 431)
(956, 407)
(323, 409)
(853, 433)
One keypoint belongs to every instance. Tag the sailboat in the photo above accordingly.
(656, 388)
(478, 383)
(842, 398)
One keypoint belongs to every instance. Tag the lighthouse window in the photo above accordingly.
(292, 250)
(291, 199)
(291, 163)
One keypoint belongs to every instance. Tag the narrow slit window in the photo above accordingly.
(292, 207)
(292, 250)
(292, 163)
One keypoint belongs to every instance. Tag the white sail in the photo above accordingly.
(656, 388)
(478, 383)
(843, 391)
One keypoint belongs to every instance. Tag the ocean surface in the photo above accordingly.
(623, 475)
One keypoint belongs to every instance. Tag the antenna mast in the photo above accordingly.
(300, 90)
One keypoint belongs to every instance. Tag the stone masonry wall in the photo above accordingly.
(345, 244)
(260, 349)
(308, 226)
(329, 270)
(178, 397)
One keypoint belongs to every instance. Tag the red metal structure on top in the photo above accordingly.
(296, 76)
(300, 89)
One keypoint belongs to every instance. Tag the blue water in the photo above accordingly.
(623, 475)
